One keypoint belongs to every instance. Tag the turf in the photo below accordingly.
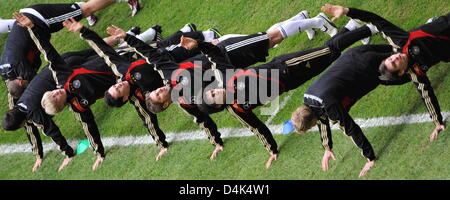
(401, 156)
(405, 154)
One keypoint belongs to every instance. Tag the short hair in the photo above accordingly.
(386, 74)
(15, 89)
(303, 119)
(49, 105)
(13, 119)
(111, 101)
(209, 108)
(206, 107)
(154, 107)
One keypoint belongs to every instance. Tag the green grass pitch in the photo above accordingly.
(403, 151)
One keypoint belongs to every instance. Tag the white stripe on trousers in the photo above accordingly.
(246, 42)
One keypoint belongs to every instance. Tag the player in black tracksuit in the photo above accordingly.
(20, 59)
(352, 76)
(166, 59)
(72, 59)
(142, 78)
(292, 70)
(251, 87)
(356, 73)
(47, 18)
(20, 53)
(235, 52)
(424, 47)
(42, 20)
(255, 50)
(84, 83)
(30, 109)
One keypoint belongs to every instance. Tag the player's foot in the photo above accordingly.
(134, 6)
(310, 32)
(431, 20)
(328, 26)
(92, 20)
(135, 30)
(158, 30)
(216, 32)
(374, 30)
(358, 24)
(304, 14)
(191, 26)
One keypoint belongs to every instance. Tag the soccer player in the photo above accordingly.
(48, 19)
(137, 77)
(238, 52)
(28, 110)
(415, 51)
(83, 84)
(246, 89)
(352, 76)
(255, 86)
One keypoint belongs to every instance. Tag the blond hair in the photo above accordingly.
(303, 119)
(50, 106)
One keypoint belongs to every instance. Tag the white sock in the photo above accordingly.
(294, 27)
(352, 25)
(372, 28)
(273, 27)
(80, 3)
(186, 29)
(208, 35)
(148, 35)
(6, 25)
(228, 36)
(297, 17)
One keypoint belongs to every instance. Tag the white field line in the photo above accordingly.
(226, 133)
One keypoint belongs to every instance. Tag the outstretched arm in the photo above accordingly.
(150, 121)
(44, 121)
(250, 120)
(208, 125)
(431, 102)
(337, 113)
(92, 133)
(396, 34)
(56, 63)
(327, 142)
(111, 57)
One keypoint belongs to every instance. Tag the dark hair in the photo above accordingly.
(15, 89)
(206, 107)
(13, 119)
(386, 74)
(110, 101)
(210, 108)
